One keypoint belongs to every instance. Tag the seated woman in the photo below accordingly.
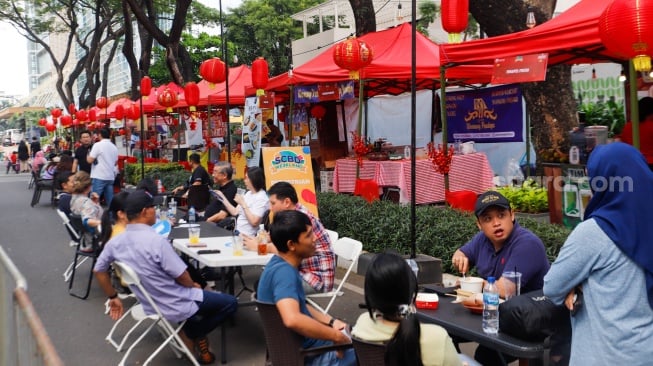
(390, 292)
(39, 161)
(87, 205)
(50, 170)
(252, 205)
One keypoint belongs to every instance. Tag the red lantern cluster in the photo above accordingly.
(260, 75)
(455, 14)
(352, 54)
(441, 157)
(192, 95)
(318, 111)
(213, 70)
(360, 145)
(168, 99)
(626, 29)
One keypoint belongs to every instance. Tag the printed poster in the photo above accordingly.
(251, 142)
(292, 164)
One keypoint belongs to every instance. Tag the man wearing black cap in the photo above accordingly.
(501, 245)
(164, 274)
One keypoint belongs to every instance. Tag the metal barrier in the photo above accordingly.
(23, 339)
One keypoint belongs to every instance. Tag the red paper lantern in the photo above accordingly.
(626, 29)
(66, 120)
(213, 70)
(318, 111)
(352, 54)
(119, 113)
(50, 126)
(82, 115)
(121, 132)
(43, 122)
(133, 112)
(92, 115)
(192, 95)
(76, 122)
(56, 113)
(146, 86)
(168, 99)
(455, 14)
(101, 102)
(260, 75)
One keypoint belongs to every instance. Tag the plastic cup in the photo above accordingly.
(238, 246)
(512, 283)
(194, 235)
(163, 214)
(241, 191)
(262, 248)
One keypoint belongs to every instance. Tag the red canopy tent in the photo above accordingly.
(239, 78)
(571, 37)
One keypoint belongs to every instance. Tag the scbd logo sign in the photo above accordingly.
(288, 160)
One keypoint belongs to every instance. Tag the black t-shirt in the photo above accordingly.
(199, 175)
(35, 146)
(80, 154)
(229, 190)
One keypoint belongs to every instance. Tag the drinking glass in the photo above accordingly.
(512, 283)
(194, 234)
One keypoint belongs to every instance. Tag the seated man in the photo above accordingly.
(65, 180)
(280, 284)
(222, 176)
(166, 278)
(501, 245)
(318, 270)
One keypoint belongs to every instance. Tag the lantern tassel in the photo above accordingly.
(354, 74)
(169, 110)
(642, 63)
(260, 92)
(192, 108)
(455, 38)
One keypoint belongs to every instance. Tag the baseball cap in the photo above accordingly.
(489, 199)
(137, 201)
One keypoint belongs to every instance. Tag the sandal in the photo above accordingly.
(205, 356)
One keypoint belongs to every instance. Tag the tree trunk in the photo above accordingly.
(364, 16)
(551, 104)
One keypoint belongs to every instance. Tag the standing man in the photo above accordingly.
(318, 270)
(222, 176)
(164, 275)
(281, 284)
(35, 146)
(79, 162)
(199, 175)
(104, 157)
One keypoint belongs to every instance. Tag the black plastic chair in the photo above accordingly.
(369, 353)
(39, 186)
(198, 197)
(88, 247)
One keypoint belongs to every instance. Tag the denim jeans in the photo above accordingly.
(213, 310)
(103, 188)
(330, 359)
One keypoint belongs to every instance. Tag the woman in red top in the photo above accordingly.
(645, 130)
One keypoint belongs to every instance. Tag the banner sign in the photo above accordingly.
(485, 115)
(322, 92)
(251, 139)
(520, 69)
(292, 164)
(266, 101)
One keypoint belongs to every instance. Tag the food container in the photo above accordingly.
(427, 301)
(471, 284)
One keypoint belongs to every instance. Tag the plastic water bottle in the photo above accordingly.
(574, 155)
(173, 207)
(490, 307)
(191, 215)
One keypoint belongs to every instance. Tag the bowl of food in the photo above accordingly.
(474, 303)
(472, 284)
(427, 301)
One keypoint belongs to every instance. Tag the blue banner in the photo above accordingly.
(330, 91)
(485, 115)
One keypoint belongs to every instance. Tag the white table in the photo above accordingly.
(223, 259)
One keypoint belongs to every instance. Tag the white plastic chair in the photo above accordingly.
(333, 236)
(135, 311)
(348, 249)
(74, 240)
(131, 278)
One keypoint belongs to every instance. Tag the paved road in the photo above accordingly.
(37, 242)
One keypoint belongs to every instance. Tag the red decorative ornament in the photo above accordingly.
(441, 157)
(146, 86)
(71, 108)
(119, 113)
(56, 113)
(43, 122)
(121, 132)
(66, 120)
(352, 54)
(92, 115)
(360, 145)
(626, 29)
(101, 102)
(50, 127)
(82, 115)
(318, 111)
(192, 125)
(168, 99)
(260, 75)
(133, 112)
(192, 95)
(76, 122)
(455, 14)
(213, 70)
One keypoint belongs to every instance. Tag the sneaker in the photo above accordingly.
(205, 356)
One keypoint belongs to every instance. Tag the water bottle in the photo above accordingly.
(490, 307)
(191, 215)
(406, 152)
(574, 155)
(173, 207)
(413, 265)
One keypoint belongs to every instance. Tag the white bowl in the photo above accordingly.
(472, 284)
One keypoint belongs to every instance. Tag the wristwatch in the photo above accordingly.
(113, 296)
(333, 320)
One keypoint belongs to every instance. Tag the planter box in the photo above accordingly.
(430, 268)
(540, 217)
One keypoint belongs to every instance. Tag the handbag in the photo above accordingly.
(533, 317)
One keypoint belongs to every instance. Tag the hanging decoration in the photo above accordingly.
(361, 147)
(146, 86)
(43, 122)
(214, 71)
(56, 113)
(260, 75)
(92, 115)
(192, 95)
(192, 125)
(440, 157)
(133, 112)
(455, 14)
(626, 29)
(318, 111)
(72, 109)
(82, 115)
(66, 120)
(352, 54)
(50, 126)
(101, 102)
(167, 99)
(122, 132)
(119, 112)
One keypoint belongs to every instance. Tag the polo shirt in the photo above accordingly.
(522, 251)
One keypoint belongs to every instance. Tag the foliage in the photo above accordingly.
(428, 10)
(171, 174)
(528, 198)
(610, 114)
(440, 231)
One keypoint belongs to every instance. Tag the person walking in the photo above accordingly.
(35, 146)
(104, 158)
(23, 156)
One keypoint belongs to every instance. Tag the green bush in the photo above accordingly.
(439, 230)
(528, 198)
(171, 174)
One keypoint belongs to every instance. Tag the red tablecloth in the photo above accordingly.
(468, 172)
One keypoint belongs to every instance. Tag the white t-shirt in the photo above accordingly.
(257, 202)
(106, 156)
